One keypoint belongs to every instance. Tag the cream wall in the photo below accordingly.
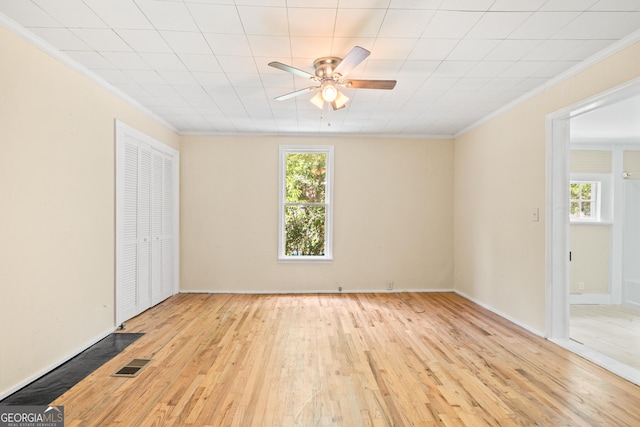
(499, 178)
(56, 208)
(392, 216)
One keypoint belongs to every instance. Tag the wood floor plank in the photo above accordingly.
(396, 359)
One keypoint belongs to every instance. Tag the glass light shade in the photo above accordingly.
(317, 100)
(329, 92)
(340, 102)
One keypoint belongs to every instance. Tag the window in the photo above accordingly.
(306, 180)
(584, 203)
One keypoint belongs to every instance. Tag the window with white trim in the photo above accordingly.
(584, 201)
(306, 209)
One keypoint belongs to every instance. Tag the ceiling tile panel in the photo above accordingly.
(550, 50)
(451, 24)
(512, 5)
(480, 5)
(91, 60)
(126, 60)
(71, 13)
(567, 5)
(405, 23)
(195, 63)
(164, 61)
(119, 14)
(358, 22)
(218, 19)
(511, 50)
(168, 15)
(28, 14)
(61, 38)
(102, 39)
(543, 25)
(268, 46)
(144, 40)
(432, 49)
(469, 49)
(269, 21)
(589, 25)
(186, 42)
(178, 78)
(497, 25)
(307, 22)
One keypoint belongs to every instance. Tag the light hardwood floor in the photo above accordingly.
(613, 330)
(397, 359)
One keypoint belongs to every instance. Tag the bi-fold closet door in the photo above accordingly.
(146, 218)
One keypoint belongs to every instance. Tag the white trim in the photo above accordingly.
(557, 224)
(566, 75)
(312, 291)
(328, 150)
(600, 299)
(56, 364)
(606, 362)
(501, 314)
(30, 37)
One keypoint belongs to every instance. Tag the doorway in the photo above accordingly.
(558, 243)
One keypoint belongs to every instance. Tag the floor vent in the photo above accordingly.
(132, 368)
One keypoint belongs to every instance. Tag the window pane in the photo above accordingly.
(304, 228)
(575, 191)
(306, 177)
(575, 210)
(586, 209)
(586, 191)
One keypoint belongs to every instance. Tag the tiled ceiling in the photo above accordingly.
(201, 65)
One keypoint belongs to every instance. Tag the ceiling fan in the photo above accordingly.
(330, 73)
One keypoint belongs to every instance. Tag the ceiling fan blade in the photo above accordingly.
(370, 84)
(351, 61)
(293, 70)
(296, 93)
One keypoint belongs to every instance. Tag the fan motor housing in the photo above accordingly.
(324, 66)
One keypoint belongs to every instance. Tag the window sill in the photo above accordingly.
(305, 259)
(603, 223)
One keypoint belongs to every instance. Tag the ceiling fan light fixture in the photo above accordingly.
(317, 100)
(329, 92)
(340, 102)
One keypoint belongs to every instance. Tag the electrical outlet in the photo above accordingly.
(389, 285)
(581, 286)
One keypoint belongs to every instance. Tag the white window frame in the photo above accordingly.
(596, 201)
(328, 237)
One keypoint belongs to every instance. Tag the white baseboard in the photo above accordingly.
(602, 299)
(301, 292)
(503, 315)
(50, 368)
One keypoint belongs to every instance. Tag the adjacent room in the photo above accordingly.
(383, 212)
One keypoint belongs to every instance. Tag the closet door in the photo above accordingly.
(127, 256)
(145, 222)
(156, 228)
(144, 228)
(168, 223)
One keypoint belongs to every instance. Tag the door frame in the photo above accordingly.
(557, 224)
(121, 131)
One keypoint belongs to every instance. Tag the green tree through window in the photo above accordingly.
(305, 203)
